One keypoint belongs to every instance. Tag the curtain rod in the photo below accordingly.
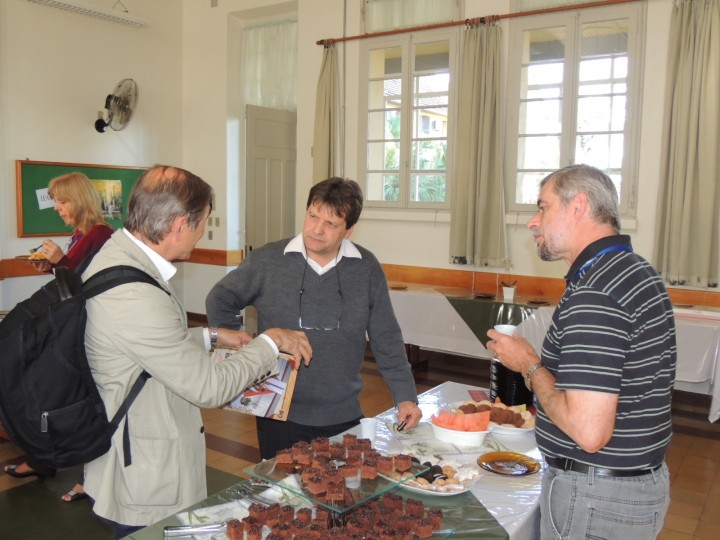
(472, 22)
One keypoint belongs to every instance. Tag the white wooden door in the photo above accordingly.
(270, 175)
(271, 152)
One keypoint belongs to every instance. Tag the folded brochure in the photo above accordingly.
(270, 398)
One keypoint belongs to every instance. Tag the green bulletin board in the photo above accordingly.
(32, 176)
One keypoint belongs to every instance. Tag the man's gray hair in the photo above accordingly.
(163, 194)
(595, 184)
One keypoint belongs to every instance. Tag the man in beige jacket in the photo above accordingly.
(136, 327)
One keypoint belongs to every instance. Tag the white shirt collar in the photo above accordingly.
(347, 249)
(166, 268)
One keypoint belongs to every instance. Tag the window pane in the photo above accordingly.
(543, 45)
(605, 38)
(427, 188)
(593, 114)
(384, 125)
(544, 74)
(595, 70)
(383, 156)
(383, 187)
(539, 152)
(527, 186)
(385, 93)
(430, 123)
(384, 62)
(429, 154)
(433, 56)
(593, 150)
(540, 117)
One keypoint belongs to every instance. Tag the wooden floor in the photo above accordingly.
(694, 461)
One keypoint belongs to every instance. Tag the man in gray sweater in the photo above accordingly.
(336, 292)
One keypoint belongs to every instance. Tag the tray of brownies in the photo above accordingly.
(339, 473)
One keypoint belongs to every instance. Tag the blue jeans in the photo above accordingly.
(584, 506)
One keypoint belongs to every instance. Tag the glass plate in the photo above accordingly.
(508, 463)
(274, 473)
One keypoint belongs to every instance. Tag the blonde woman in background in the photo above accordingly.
(79, 206)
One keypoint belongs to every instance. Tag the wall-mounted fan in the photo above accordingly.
(119, 105)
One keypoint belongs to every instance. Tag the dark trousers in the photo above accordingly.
(274, 435)
(120, 530)
(42, 470)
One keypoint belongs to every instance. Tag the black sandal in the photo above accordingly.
(10, 469)
(74, 496)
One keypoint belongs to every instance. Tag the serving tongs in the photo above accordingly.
(240, 490)
(173, 531)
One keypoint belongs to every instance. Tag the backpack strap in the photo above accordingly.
(64, 283)
(113, 276)
(122, 412)
(99, 283)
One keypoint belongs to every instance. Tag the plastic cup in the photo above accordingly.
(353, 482)
(368, 426)
(507, 329)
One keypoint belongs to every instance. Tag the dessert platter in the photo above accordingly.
(259, 517)
(441, 479)
(338, 474)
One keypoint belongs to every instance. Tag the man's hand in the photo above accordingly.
(292, 342)
(514, 352)
(232, 339)
(409, 413)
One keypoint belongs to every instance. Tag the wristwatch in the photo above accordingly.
(213, 336)
(532, 369)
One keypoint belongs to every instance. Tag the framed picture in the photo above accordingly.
(36, 215)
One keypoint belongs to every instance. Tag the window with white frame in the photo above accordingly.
(406, 115)
(573, 97)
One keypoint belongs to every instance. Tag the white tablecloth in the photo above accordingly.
(698, 346)
(429, 321)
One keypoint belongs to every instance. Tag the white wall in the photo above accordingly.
(57, 67)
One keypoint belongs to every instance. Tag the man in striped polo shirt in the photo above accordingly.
(604, 380)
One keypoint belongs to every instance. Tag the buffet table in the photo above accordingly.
(496, 506)
(451, 320)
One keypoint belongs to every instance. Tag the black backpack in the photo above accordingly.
(49, 403)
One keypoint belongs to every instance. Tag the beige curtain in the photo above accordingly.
(327, 118)
(477, 223)
(686, 240)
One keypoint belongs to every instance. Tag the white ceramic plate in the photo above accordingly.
(414, 486)
(505, 430)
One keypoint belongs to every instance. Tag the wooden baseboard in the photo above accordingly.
(528, 286)
(196, 319)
